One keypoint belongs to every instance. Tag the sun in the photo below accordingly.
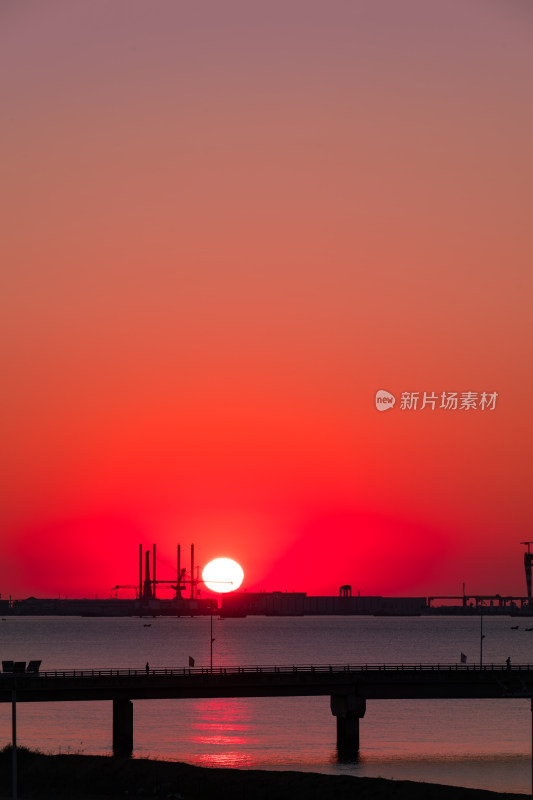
(222, 575)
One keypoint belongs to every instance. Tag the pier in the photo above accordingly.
(348, 686)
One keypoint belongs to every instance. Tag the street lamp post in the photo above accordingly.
(481, 637)
(211, 603)
(14, 742)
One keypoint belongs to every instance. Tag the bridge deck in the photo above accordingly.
(349, 687)
(368, 681)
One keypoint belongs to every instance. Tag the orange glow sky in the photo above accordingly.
(225, 226)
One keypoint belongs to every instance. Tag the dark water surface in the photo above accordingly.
(484, 744)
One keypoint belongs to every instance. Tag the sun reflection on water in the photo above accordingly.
(220, 726)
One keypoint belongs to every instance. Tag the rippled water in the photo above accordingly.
(485, 744)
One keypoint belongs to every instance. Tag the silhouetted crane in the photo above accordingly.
(528, 558)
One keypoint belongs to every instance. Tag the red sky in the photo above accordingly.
(225, 227)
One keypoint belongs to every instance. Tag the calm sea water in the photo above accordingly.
(484, 744)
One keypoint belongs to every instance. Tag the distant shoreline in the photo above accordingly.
(276, 604)
(100, 777)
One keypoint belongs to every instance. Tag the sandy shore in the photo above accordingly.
(69, 777)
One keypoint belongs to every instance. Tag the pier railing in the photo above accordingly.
(269, 669)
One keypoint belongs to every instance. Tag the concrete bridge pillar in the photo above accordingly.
(348, 709)
(122, 727)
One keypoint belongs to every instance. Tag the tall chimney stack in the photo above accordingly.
(153, 570)
(192, 572)
(147, 588)
(140, 571)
